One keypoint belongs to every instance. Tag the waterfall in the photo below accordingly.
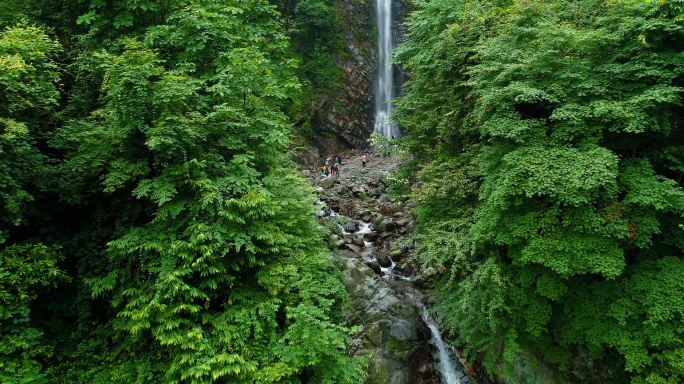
(445, 364)
(384, 89)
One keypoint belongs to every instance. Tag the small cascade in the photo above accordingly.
(367, 245)
(384, 90)
(341, 229)
(363, 229)
(369, 251)
(388, 271)
(445, 363)
(450, 373)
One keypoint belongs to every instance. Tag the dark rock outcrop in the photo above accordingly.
(383, 260)
(344, 119)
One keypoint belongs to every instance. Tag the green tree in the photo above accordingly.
(215, 262)
(28, 78)
(560, 120)
(27, 72)
(24, 271)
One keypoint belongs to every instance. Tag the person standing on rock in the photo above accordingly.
(335, 170)
(339, 159)
(364, 159)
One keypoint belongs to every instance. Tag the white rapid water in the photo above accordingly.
(448, 370)
(384, 90)
(367, 245)
(444, 361)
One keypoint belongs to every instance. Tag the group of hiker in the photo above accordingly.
(332, 168)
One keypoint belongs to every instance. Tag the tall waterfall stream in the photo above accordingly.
(384, 89)
(450, 372)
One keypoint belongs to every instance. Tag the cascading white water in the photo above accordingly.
(384, 90)
(445, 364)
(448, 369)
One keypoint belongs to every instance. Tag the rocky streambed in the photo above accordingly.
(385, 284)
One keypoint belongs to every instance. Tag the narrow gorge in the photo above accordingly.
(369, 228)
(158, 221)
(369, 236)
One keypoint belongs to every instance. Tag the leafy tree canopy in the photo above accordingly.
(548, 133)
(189, 239)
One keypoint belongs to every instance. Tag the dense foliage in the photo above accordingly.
(152, 228)
(551, 153)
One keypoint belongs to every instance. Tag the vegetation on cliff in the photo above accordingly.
(312, 27)
(551, 165)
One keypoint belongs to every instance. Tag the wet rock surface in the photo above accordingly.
(392, 329)
(373, 255)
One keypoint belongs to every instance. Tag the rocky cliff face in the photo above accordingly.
(344, 118)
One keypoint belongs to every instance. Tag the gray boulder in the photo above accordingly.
(392, 329)
(351, 226)
(429, 272)
(370, 236)
(372, 264)
(356, 190)
(327, 182)
(352, 247)
(385, 226)
(358, 240)
(383, 260)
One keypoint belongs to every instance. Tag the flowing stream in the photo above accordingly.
(449, 370)
(384, 90)
(445, 362)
